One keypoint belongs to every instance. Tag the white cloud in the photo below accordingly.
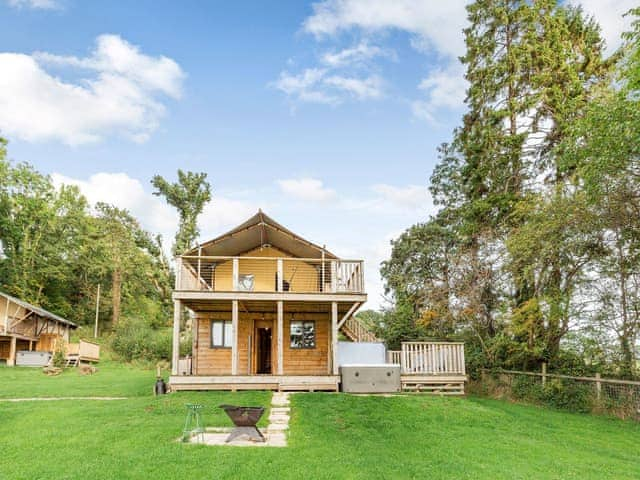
(121, 97)
(444, 89)
(306, 86)
(358, 54)
(35, 4)
(409, 197)
(314, 85)
(122, 191)
(223, 214)
(153, 213)
(435, 25)
(306, 188)
(609, 14)
(360, 88)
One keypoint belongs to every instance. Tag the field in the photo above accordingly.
(332, 435)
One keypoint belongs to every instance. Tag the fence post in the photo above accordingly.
(598, 386)
(544, 374)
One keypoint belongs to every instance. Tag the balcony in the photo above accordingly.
(269, 274)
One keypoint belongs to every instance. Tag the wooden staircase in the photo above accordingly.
(356, 331)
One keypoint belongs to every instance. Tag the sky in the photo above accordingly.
(326, 114)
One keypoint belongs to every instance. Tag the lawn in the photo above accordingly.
(332, 436)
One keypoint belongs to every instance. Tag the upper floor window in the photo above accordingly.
(303, 334)
(221, 333)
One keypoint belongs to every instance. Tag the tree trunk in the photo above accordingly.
(116, 286)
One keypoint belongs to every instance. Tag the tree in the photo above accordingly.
(55, 251)
(189, 196)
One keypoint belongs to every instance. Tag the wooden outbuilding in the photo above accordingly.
(26, 327)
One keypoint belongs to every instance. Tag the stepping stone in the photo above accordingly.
(279, 418)
(280, 410)
(277, 427)
(277, 440)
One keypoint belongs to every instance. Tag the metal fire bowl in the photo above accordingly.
(245, 420)
(243, 416)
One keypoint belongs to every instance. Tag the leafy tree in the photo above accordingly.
(189, 196)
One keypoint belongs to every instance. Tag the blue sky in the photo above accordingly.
(325, 114)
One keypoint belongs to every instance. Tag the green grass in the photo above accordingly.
(112, 379)
(332, 436)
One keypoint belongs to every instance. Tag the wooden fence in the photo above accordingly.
(432, 358)
(617, 397)
(429, 358)
(394, 356)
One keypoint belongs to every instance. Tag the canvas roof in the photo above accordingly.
(258, 231)
(38, 311)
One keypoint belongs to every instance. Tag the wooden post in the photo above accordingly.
(322, 268)
(334, 278)
(334, 336)
(199, 265)
(11, 361)
(236, 273)
(6, 318)
(544, 374)
(234, 336)
(178, 273)
(280, 337)
(95, 328)
(598, 387)
(175, 353)
(280, 269)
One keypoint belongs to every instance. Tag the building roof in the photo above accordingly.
(258, 231)
(38, 311)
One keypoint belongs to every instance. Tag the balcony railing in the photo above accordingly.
(269, 274)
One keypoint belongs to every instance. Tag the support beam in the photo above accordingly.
(236, 273)
(175, 354)
(353, 308)
(11, 361)
(234, 337)
(20, 320)
(6, 318)
(280, 337)
(280, 275)
(334, 337)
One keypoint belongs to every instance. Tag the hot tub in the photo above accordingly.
(26, 358)
(372, 378)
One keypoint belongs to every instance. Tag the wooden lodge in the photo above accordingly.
(25, 327)
(266, 308)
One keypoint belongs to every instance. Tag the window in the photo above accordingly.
(303, 334)
(221, 333)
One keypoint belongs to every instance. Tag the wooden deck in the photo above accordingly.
(440, 384)
(255, 382)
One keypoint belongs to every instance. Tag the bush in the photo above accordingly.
(134, 340)
(59, 359)
(527, 388)
(568, 395)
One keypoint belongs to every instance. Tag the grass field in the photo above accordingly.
(332, 436)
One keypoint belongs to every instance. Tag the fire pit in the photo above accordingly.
(245, 420)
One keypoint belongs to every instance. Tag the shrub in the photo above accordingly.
(135, 340)
(527, 388)
(59, 359)
(568, 395)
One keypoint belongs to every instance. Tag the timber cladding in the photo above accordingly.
(301, 276)
(208, 360)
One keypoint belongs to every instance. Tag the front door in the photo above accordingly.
(263, 331)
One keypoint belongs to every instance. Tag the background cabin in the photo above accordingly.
(25, 327)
